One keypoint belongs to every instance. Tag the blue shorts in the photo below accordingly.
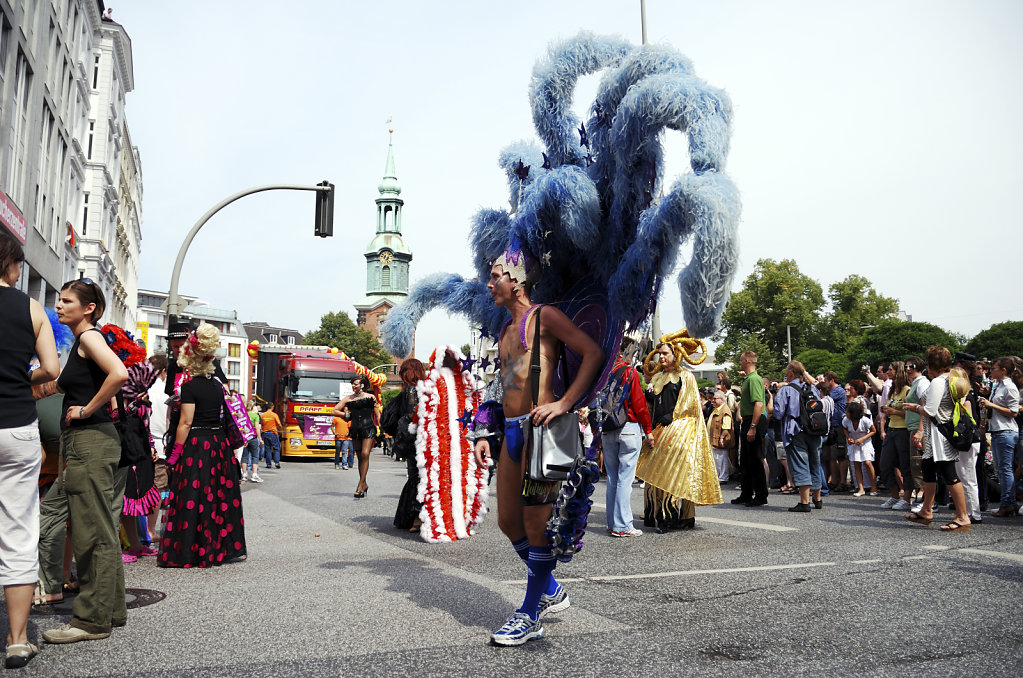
(514, 437)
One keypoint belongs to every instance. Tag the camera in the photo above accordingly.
(865, 368)
(774, 388)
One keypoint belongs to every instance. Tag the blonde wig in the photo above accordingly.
(198, 351)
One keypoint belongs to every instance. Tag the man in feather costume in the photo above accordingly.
(591, 211)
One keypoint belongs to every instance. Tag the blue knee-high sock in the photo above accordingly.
(541, 564)
(522, 549)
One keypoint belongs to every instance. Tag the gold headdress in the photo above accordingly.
(682, 345)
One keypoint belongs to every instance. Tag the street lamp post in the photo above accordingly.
(173, 304)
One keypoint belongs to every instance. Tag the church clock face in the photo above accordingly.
(386, 258)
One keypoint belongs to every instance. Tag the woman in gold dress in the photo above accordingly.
(676, 461)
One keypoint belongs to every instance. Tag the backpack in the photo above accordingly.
(961, 429)
(613, 397)
(812, 418)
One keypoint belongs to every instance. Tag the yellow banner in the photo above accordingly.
(142, 332)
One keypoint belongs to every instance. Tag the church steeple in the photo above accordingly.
(387, 255)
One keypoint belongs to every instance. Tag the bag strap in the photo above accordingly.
(534, 363)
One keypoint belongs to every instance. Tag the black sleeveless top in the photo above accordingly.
(18, 342)
(362, 411)
(81, 379)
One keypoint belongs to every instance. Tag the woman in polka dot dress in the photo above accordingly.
(203, 525)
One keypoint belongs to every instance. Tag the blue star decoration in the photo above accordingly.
(467, 364)
(465, 419)
(584, 138)
(546, 161)
(484, 333)
(486, 362)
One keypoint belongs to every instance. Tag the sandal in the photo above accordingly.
(788, 489)
(70, 588)
(41, 598)
(918, 519)
(955, 527)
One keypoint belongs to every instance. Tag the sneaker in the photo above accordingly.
(892, 501)
(516, 631)
(256, 479)
(71, 634)
(127, 558)
(19, 655)
(277, 465)
(901, 505)
(556, 603)
(872, 493)
(818, 503)
(631, 532)
(247, 476)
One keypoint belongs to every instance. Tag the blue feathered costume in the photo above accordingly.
(590, 206)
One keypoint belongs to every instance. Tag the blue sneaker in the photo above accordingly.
(517, 630)
(556, 603)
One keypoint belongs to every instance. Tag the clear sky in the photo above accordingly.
(878, 138)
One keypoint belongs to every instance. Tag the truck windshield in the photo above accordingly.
(318, 389)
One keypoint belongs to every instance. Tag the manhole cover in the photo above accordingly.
(133, 598)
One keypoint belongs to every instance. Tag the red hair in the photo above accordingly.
(411, 371)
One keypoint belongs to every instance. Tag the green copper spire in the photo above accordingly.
(389, 186)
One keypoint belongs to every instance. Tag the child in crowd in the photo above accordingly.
(859, 430)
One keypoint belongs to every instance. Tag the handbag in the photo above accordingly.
(237, 424)
(553, 447)
(133, 434)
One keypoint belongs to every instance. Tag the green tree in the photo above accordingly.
(854, 305)
(338, 331)
(818, 361)
(896, 340)
(769, 363)
(389, 395)
(774, 296)
(1001, 339)
(466, 350)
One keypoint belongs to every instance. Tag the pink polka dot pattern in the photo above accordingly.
(203, 525)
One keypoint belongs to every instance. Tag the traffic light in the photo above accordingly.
(324, 226)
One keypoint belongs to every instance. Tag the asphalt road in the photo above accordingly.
(850, 590)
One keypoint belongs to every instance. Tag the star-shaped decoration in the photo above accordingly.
(467, 364)
(521, 171)
(484, 333)
(465, 419)
(546, 258)
(486, 362)
(497, 362)
(546, 161)
(584, 138)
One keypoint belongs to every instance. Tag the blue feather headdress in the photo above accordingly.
(64, 337)
(587, 203)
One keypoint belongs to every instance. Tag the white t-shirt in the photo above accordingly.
(858, 431)
(158, 419)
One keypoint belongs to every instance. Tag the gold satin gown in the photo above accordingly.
(680, 465)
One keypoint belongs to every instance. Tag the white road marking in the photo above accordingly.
(686, 573)
(867, 562)
(725, 521)
(936, 547)
(994, 554)
(916, 557)
(741, 523)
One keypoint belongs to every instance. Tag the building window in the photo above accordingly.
(95, 74)
(234, 350)
(291, 340)
(92, 130)
(253, 370)
(234, 369)
(156, 319)
(273, 338)
(385, 277)
(234, 385)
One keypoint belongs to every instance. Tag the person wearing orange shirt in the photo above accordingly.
(271, 425)
(343, 449)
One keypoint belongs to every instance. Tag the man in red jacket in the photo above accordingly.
(622, 445)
